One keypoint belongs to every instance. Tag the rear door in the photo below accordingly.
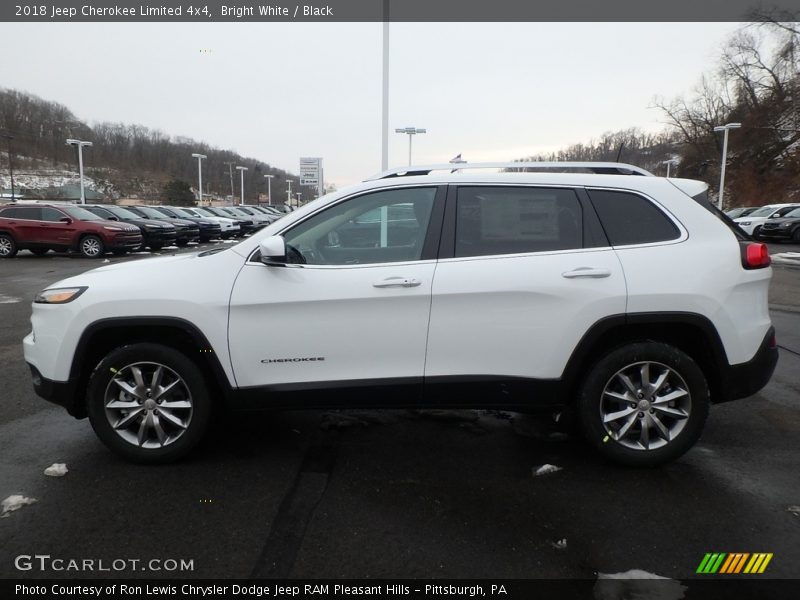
(524, 272)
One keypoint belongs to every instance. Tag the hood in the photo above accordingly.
(116, 224)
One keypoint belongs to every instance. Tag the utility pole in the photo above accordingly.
(230, 170)
(80, 144)
(241, 171)
(725, 129)
(10, 163)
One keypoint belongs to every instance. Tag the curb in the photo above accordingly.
(785, 308)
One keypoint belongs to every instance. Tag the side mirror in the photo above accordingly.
(66, 220)
(273, 250)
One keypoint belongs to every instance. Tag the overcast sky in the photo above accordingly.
(488, 91)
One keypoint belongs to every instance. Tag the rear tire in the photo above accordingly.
(643, 404)
(148, 403)
(8, 247)
(91, 246)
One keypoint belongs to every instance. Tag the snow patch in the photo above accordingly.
(559, 544)
(56, 470)
(545, 470)
(795, 510)
(9, 299)
(637, 585)
(786, 258)
(15, 502)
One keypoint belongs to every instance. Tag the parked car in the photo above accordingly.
(752, 223)
(42, 227)
(274, 215)
(185, 231)
(783, 229)
(270, 209)
(229, 227)
(155, 234)
(209, 229)
(247, 224)
(624, 299)
(260, 219)
(741, 211)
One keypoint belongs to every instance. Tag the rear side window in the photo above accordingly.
(514, 220)
(31, 213)
(631, 219)
(8, 213)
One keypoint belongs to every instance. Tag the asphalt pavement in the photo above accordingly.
(395, 493)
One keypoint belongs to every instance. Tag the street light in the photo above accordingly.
(269, 188)
(669, 163)
(10, 164)
(289, 192)
(410, 131)
(724, 128)
(80, 144)
(200, 158)
(241, 189)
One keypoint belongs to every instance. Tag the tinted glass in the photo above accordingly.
(8, 213)
(631, 219)
(100, 212)
(180, 212)
(793, 213)
(379, 227)
(122, 213)
(31, 213)
(764, 211)
(51, 214)
(81, 214)
(513, 220)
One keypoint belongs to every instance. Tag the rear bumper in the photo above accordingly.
(745, 379)
(63, 393)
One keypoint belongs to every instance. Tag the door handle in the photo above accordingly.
(397, 282)
(586, 272)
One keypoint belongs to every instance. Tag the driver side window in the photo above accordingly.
(378, 227)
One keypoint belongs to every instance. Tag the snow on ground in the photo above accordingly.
(56, 470)
(637, 585)
(9, 299)
(15, 502)
(545, 470)
(786, 258)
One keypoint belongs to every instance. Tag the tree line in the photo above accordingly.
(756, 83)
(136, 160)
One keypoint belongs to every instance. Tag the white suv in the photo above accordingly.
(622, 298)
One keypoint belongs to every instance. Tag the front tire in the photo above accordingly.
(757, 233)
(644, 404)
(91, 246)
(148, 403)
(8, 247)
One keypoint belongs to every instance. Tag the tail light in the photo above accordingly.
(754, 255)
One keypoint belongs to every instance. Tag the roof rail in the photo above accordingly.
(604, 168)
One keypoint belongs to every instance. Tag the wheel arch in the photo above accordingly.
(103, 336)
(692, 333)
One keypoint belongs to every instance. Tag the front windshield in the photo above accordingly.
(121, 213)
(151, 212)
(762, 212)
(203, 212)
(182, 212)
(247, 211)
(233, 211)
(81, 214)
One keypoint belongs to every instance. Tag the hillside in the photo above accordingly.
(125, 161)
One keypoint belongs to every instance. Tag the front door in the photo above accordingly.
(351, 311)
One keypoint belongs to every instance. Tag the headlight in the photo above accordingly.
(58, 295)
(746, 223)
(110, 228)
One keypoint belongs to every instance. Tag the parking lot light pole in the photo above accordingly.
(724, 128)
(80, 144)
(289, 192)
(411, 132)
(10, 164)
(200, 158)
(269, 188)
(241, 188)
(669, 163)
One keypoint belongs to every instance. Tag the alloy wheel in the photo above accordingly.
(148, 404)
(5, 246)
(645, 405)
(90, 247)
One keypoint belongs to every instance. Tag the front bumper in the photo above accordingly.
(745, 379)
(776, 234)
(63, 393)
(125, 241)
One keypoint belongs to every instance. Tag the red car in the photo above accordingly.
(43, 227)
